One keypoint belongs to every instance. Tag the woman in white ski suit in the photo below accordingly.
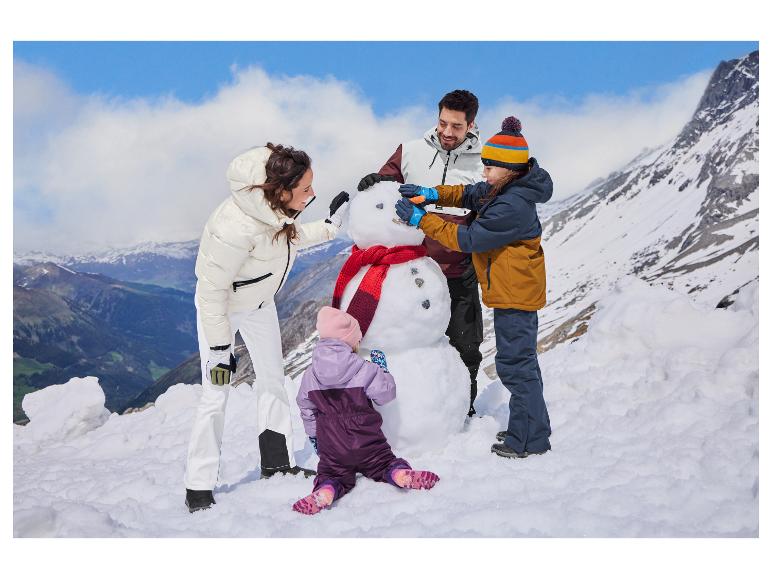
(245, 254)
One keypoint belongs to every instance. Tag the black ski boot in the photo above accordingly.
(268, 473)
(503, 450)
(198, 500)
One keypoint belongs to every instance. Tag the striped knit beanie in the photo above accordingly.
(508, 148)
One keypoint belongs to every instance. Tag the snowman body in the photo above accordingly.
(409, 326)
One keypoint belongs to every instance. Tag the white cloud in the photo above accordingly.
(92, 172)
(580, 142)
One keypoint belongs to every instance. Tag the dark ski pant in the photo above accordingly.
(528, 429)
(338, 467)
(465, 329)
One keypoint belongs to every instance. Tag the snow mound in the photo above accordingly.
(655, 434)
(65, 411)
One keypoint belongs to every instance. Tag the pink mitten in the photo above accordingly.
(414, 479)
(316, 501)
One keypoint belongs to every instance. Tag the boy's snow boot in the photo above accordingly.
(306, 472)
(503, 450)
(319, 499)
(198, 500)
(414, 479)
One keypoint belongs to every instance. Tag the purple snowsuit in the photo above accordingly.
(335, 400)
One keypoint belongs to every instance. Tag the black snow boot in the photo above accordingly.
(269, 472)
(198, 500)
(503, 450)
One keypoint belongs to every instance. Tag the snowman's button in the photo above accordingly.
(414, 271)
(380, 206)
(419, 282)
(425, 304)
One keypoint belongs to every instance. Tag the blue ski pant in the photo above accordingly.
(528, 429)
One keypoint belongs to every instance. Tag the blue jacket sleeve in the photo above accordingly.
(473, 194)
(504, 221)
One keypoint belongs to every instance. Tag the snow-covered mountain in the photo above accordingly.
(684, 215)
(163, 264)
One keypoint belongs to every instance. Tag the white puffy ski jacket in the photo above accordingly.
(239, 265)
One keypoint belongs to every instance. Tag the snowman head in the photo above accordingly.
(372, 219)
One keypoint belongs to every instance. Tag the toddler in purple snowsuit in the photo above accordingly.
(335, 400)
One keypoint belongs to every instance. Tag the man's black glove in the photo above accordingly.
(373, 178)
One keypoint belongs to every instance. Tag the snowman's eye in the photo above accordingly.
(379, 206)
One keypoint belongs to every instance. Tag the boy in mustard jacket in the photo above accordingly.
(505, 243)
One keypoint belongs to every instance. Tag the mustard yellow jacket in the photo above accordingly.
(504, 239)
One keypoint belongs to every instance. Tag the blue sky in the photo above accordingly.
(391, 75)
(117, 133)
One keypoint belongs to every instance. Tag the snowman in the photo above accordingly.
(403, 309)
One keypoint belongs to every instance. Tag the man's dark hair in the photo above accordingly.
(460, 100)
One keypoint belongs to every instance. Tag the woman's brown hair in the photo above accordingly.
(284, 169)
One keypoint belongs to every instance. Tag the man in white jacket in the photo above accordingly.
(448, 154)
(247, 249)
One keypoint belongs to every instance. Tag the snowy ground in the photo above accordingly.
(655, 420)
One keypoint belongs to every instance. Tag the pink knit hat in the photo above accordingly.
(333, 323)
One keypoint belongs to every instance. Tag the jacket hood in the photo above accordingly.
(333, 363)
(469, 146)
(535, 186)
(246, 170)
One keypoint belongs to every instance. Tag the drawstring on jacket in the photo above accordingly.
(434, 158)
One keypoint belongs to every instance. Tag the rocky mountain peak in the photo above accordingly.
(733, 86)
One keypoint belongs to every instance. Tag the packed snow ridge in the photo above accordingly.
(655, 420)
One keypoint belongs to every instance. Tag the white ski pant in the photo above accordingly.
(260, 331)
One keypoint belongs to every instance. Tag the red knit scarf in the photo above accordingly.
(365, 300)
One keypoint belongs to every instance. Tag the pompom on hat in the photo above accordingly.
(507, 148)
(334, 323)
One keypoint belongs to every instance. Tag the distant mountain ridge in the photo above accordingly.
(67, 323)
(163, 264)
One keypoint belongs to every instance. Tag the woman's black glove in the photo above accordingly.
(336, 213)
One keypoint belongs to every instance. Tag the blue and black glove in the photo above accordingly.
(409, 213)
(378, 357)
(420, 196)
(312, 439)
